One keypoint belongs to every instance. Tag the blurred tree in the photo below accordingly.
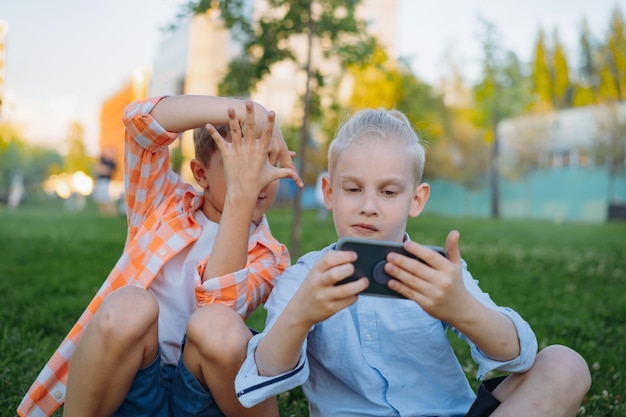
(18, 157)
(616, 53)
(586, 88)
(40, 163)
(11, 161)
(77, 158)
(500, 93)
(328, 26)
(461, 153)
(562, 89)
(610, 145)
(376, 83)
(426, 110)
(541, 79)
(382, 82)
(176, 156)
(607, 91)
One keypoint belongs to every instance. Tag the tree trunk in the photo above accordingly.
(304, 138)
(495, 174)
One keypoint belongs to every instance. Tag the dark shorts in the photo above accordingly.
(164, 391)
(485, 403)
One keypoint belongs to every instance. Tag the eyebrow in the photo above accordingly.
(400, 181)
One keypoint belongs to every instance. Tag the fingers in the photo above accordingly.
(219, 140)
(268, 130)
(250, 121)
(270, 140)
(336, 265)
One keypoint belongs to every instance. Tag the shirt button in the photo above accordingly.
(162, 252)
(368, 337)
(57, 395)
(192, 232)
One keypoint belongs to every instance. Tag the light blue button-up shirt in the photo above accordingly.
(381, 356)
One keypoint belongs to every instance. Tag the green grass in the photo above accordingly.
(567, 280)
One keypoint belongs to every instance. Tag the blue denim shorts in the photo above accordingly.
(167, 391)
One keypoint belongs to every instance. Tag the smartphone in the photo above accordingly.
(371, 261)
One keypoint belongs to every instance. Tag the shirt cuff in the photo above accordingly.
(252, 388)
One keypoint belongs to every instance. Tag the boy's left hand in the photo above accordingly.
(436, 285)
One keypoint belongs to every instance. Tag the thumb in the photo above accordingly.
(288, 172)
(285, 160)
(452, 247)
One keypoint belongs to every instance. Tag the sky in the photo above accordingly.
(65, 57)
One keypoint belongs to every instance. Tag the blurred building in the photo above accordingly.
(566, 166)
(111, 126)
(575, 137)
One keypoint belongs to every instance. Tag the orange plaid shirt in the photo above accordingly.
(161, 223)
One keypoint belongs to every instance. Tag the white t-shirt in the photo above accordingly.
(173, 287)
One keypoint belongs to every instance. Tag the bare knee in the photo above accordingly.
(565, 368)
(219, 333)
(126, 314)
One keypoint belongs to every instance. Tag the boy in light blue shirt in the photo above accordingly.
(362, 355)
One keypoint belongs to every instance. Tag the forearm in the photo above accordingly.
(230, 250)
(279, 351)
(183, 112)
(491, 331)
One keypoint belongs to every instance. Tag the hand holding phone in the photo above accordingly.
(371, 261)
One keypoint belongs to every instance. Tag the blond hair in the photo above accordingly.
(381, 124)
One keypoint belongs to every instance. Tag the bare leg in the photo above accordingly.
(554, 387)
(217, 340)
(121, 338)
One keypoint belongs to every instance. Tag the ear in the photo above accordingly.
(327, 189)
(420, 197)
(199, 171)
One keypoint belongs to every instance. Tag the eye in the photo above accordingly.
(351, 189)
(389, 193)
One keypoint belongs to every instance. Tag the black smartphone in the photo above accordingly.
(371, 260)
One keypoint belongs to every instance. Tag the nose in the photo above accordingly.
(369, 206)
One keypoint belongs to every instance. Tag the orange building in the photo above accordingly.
(111, 127)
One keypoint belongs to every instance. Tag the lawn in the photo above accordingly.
(567, 280)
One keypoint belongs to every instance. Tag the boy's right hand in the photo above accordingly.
(318, 297)
(247, 158)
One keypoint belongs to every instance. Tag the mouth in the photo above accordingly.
(364, 228)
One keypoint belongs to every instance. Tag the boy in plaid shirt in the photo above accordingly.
(166, 331)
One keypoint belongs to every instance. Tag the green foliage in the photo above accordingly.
(77, 158)
(274, 36)
(567, 280)
(616, 53)
(177, 157)
(560, 75)
(585, 90)
(541, 79)
(502, 90)
(17, 157)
